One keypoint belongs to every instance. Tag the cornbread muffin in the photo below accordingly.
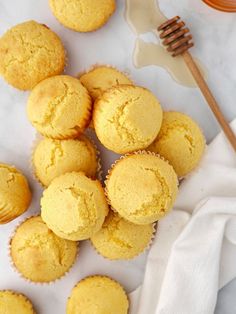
(180, 141)
(101, 78)
(38, 254)
(121, 239)
(83, 15)
(29, 53)
(74, 206)
(127, 118)
(12, 303)
(142, 187)
(52, 158)
(15, 195)
(59, 107)
(97, 295)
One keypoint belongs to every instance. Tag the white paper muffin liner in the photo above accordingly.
(20, 275)
(38, 138)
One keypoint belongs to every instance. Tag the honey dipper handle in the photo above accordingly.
(209, 98)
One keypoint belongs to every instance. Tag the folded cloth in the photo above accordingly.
(194, 252)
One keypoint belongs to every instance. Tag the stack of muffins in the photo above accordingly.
(140, 188)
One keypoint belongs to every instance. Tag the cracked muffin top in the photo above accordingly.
(142, 187)
(13, 302)
(29, 53)
(52, 158)
(59, 107)
(121, 239)
(74, 206)
(101, 78)
(40, 255)
(82, 15)
(127, 118)
(15, 195)
(98, 295)
(180, 141)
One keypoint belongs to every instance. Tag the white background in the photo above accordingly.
(215, 38)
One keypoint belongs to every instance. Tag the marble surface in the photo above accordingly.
(215, 37)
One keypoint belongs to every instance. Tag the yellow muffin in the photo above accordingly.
(29, 53)
(97, 295)
(121, 239)
(15, 195)
(101, 78)
(38, 254)
(127, 118)
(52, 158)
(82, 15)
(74, 206)
(59, 107)
(12, 303)
(142, 188)
(180, 141)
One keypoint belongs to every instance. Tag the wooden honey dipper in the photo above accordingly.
(178, 39)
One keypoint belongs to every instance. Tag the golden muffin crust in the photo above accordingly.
(38, 254)
(83, 15)
(97, 294)
(29, 53)
(59, 107)
(74, 206)
(180, 141)
(127, 118)
(12, 302)
(52, 158)
(142, 188)
(121, 239)
(101, 78)
(15, 195)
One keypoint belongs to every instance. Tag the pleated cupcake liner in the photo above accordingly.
(20, 275)
(145, 249)
(38, 138)
(22, 296)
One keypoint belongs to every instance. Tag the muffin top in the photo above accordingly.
(59, 107)
(74, 206)
(52, 158)
(142, 187)
(15, 195)
(101, 78)
(97, 294)
(29, 53)
(38, 254)
(127, 118)
(121, 239)
(12, 302)
(83, 15)
(180, 141)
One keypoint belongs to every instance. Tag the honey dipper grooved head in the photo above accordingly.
(175, 36)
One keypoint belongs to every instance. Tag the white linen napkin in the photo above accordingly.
(194, 252)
